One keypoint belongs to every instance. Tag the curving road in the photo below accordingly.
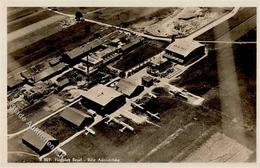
(191, 36)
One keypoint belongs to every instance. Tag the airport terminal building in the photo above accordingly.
(181, 51)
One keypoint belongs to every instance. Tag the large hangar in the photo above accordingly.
(182, 51)
(39, 141)
(103, 99)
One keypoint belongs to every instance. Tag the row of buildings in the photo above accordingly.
(102, 50)
(88, 57)
(105, 100)
(91, 56)
(37, 73)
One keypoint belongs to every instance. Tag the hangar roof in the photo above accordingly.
(34, 137)
(101, 94)
(126, 86)
(74, 116)
(183, 47)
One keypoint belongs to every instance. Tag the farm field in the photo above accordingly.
(218, 31)
(34, 27)
(27, 20)
(34, 114)
(36, 51)
(17, 13)
(57, 128)
(220, 148)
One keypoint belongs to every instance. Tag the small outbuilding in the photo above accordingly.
(158, 66)
(147, 81)
(63, 83)
(54, 61)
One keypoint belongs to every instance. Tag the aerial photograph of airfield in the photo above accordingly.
(131, 84)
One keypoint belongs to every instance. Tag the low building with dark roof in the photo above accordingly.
(182, 51)
(132, 44)
(54, 61)
(129, 88)
(77, 118)
(50, 72)
(14, 83)
(37, 92)
(84, 69)
(63, 83)
(19, 105)
(158, 65)
(103, 99)
(39, 141)
(147, 81)
(93, 61)
(101, 56)
(45, 74)
(75, 55)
